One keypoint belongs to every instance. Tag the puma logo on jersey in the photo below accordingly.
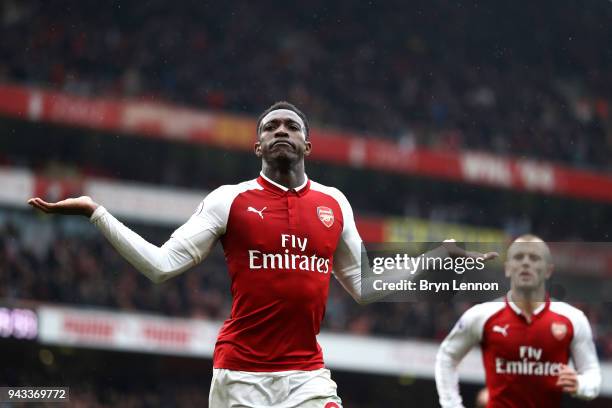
(260, 212)
(502, 330)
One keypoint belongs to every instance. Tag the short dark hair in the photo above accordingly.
(283, 105)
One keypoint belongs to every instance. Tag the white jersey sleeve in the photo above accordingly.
(187, 246)
(582, 351)
(156, 263)
(586, 362)
(199, 234)
(347, 258)
(466, 334)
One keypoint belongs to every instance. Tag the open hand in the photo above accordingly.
(457, 252)
(83, 205)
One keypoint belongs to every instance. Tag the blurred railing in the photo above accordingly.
(164, 121)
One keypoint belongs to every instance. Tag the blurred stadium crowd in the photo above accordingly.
(45, 262)
(444, 74)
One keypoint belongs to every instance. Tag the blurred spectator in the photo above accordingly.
(474, 81)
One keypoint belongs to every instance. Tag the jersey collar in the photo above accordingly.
(518, 310)
(272, 185)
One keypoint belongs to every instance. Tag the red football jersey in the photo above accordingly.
(280, 246)
(522, 357)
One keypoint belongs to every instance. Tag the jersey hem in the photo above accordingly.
(268, 367)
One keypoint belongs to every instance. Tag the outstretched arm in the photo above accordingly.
(156, 263)
(349, 269)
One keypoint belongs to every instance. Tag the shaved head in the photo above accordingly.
(529, 240)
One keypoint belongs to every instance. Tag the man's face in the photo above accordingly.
(282, 136)
(528, 264)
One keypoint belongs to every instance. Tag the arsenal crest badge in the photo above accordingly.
(559, 330)
(326, 215)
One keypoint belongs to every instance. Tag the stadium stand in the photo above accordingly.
(537, 92)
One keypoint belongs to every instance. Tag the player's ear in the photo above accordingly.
(307, 148)
(507, 269)
(549, 270)
(257, 148)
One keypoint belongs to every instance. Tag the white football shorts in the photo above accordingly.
(280, 389)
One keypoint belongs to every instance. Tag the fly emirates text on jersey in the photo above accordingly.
(529, 364)
(289, 259)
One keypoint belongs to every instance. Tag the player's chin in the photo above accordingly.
(526, 284)
(284, 154)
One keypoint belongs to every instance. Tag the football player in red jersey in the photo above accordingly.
(526, 340)
(283, 236)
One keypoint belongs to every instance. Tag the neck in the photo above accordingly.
(528, 300)
(290, 176)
